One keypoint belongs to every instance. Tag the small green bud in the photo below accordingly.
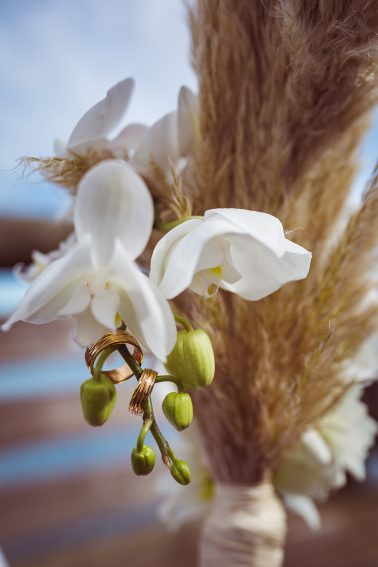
(181, 472)
(178, 409)
(192, 359)
(143, 461)
(98, 398)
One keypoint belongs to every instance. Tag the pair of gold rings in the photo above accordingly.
(109, 340)
(146, 380)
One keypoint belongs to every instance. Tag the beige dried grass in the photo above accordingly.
(285, 88)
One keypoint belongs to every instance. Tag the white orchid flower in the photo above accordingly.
(170, 139)
(92, 131)
(97, 278)
(245, 252)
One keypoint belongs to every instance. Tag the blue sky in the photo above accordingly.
(57, 58)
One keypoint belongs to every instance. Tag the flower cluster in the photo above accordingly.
(95, 279)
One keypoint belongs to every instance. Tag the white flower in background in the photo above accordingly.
(245, 252)
(170, 140)
(40, 260)
(309, 470)
(183, 504)
(97, 278)
(92, 131)
(320, 461)
(167, 142)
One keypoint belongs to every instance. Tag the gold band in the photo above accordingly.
(142, 391)
(110, 340)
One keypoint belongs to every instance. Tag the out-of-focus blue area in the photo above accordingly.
(98, 448)
(59, 58)
(41, 377)
(12, 290)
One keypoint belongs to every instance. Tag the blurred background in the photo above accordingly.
(67, 494)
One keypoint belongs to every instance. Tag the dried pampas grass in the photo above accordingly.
(65, 171)
(285, 90)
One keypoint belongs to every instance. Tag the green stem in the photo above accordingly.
(143, 432)
(148, 415)
(167, 226)
(184, 322)
(100, 363)
(161, 441)
(165, 378)
(126, 354)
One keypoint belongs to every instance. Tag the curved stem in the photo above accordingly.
(100, 363)
(165, 378)
(167, 226)
(126, 354)
(184, 322)
(143, 432)
(148, 415)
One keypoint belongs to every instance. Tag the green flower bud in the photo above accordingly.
(181, 472)
(192, 359)
(178, 409)
(98, 398)
(143, 461)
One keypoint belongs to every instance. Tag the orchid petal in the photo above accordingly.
(52, 289)
(88, 329)
(317, 446)
(129, 139)
(159, 147)
(113, 202)
(164, 247)
(99, 120)
(78, 301)
(262, 227)
(187, 120)
(262, 272)
(186, 257)
(143, 308)
(304, 507)
(105, 306)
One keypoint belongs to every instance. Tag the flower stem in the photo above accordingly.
(143, 432)
(165, 378)
(167, 226)
(184, 322)
(148, 416)
(100, 363)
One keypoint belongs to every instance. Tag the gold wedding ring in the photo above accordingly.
(110, 340)
(142, 391)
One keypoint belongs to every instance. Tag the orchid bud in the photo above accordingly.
(192, 359)
(143, 461)
(98, 398)
(178, 409)
(181, 472)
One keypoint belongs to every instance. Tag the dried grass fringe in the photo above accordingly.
(285, 88)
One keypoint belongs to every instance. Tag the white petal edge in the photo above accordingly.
(163, 248)
(159, 147)
(187, 120)
(143, 308)
(52, 289)
(262, 272)
(128, 140)
(105, 115)
(264, 228)
(87, 329)
(303, 507)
